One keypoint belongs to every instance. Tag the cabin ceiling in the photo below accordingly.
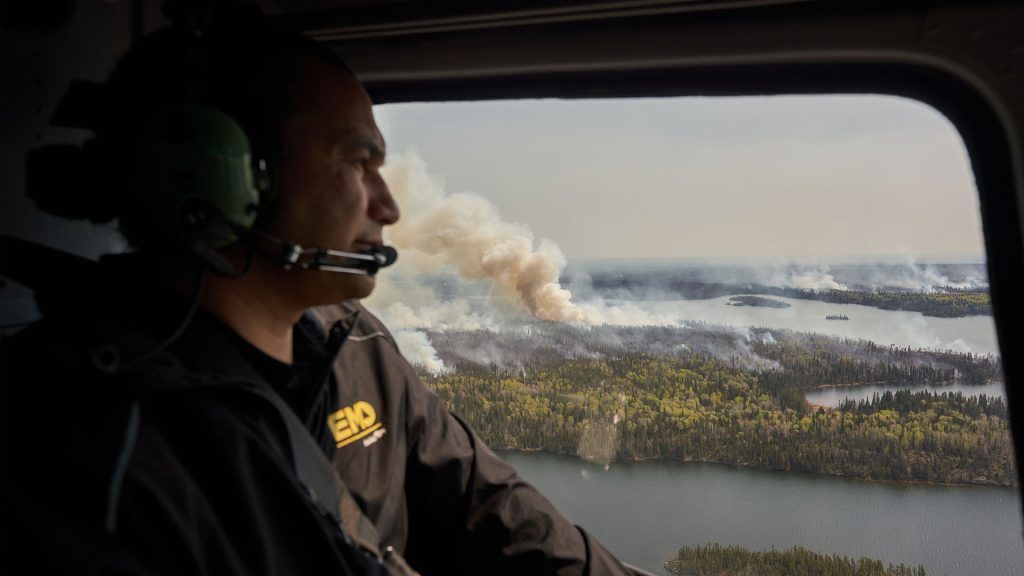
(427, 49)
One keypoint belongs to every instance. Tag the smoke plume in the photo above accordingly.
(817, 278)
(921, 277)
(465, 231)
(418, 350)
(464, 269)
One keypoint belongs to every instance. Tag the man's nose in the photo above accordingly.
(383, 207)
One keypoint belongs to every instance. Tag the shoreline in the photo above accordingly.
(901, 385)
(759, 468)
(815, 408)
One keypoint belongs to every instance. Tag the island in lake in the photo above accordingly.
(759, 301)
(837, 317)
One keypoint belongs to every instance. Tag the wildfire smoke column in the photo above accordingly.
(466, 232)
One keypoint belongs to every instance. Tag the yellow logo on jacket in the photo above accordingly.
(353, 423)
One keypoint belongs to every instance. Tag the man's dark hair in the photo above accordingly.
(236, 63)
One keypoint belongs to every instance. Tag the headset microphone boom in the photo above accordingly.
(294, 256)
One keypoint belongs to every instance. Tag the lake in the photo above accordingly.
(645, 511)
(969, 334)
(834, 395)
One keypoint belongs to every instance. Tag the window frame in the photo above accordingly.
(959, 56)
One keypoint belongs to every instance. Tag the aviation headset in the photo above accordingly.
(197, 181)
(167, 159)
(205, 185)
(197, 176)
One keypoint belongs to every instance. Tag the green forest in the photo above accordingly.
(717, 560)
(950, 303)
(568, 391)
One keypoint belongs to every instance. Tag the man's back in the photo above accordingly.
(175, 466)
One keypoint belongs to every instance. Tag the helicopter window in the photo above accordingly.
(745, 327)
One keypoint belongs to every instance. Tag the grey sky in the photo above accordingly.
(780, 177)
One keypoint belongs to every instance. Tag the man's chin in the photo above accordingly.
(362, 286)
(333, 287)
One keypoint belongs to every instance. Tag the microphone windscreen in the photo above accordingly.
(389, 253)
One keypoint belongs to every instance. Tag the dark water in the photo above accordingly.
(644, 511)
(833, 396)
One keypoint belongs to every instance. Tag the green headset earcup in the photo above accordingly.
(200, 175)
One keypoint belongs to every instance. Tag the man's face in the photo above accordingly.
(330, 191)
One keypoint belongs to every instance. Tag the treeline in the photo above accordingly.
(946, 304)
(717, 560)
(802, 360)
(945, 403)
(694, 407)
(813, 360)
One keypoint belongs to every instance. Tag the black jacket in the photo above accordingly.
(436, 492)
(173, 467)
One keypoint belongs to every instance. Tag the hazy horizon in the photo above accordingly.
(892, 259)
(791, 179)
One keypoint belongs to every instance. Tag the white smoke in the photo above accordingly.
(464, 231)
(958, 345)
(818, 278)
(463, 268)
(920, 277)
(409, 309)
(599, 311)
(741, 351)
(416, 348)
(408, 306)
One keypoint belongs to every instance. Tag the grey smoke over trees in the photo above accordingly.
(462, 267)
(809, 360)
